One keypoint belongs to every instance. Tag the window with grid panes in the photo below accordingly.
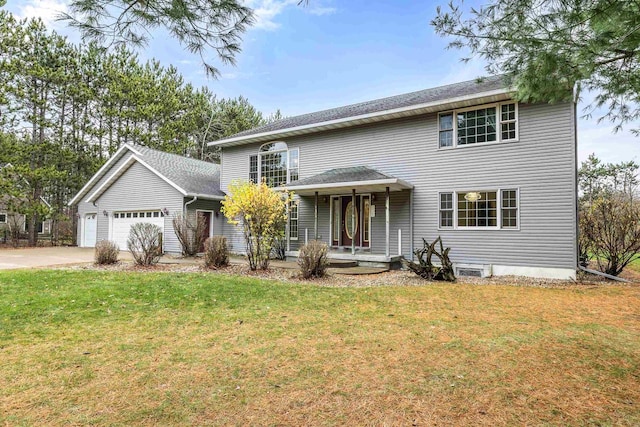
(293, 220)
(476, 126)
(446, 130)
(509, 209)
(275, 164)
(508, 121)
(482, 212)
(446, 209)
(253, 168)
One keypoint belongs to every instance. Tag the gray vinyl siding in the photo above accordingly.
(138, 189)
(85, 208)
(541, 164)
(207, 205)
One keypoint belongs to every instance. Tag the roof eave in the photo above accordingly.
(395, 184)
(413, 110)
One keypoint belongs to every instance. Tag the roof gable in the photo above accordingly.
(190, 177)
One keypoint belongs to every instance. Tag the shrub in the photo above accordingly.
(279, 249)
(216, 252)
(313, 259)
(261, 212)
(145, 243)
(611, 223)
(190, 233)
(106, 252)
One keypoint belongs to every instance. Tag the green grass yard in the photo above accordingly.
(122, 348)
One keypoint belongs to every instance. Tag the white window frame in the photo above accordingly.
(499, 140)
(517, 208)
(498, 213)
(453, 210)
(297, 203)
(6, 218)
(288, 150)
(362, 197)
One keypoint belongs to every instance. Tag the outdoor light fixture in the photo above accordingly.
(165, 211)
(105, 213)
(217, 213)
(473, 196)
(325, 199)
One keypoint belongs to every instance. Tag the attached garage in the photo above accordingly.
(139, 184)
(122, 222)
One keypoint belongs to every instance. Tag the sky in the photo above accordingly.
(329, 53)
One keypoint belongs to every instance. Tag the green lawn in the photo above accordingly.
(102, 348)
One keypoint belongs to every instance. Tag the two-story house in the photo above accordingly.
(494, 177)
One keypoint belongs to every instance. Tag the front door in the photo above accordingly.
(348, 217)
(207, 227)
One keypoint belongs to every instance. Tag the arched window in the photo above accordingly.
(275, 163)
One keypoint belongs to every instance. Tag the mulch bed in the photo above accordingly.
(391, 278)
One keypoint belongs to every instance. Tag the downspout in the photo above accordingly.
(188, 203)
(600, 273)
(575, 172)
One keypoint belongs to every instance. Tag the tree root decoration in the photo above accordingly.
(426, 269)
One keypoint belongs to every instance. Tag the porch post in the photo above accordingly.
(411, 223)
(315, 219)
(353, 222)
(387, 225)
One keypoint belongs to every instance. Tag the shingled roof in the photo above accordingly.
(392, 103)
(352, 174)
(360, 177)
(192, 175)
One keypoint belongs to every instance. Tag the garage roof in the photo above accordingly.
(194, 176)
(191, 177)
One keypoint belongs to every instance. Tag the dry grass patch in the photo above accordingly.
(112, 348)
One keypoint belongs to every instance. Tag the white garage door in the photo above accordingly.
(90, 230)
(122, 222)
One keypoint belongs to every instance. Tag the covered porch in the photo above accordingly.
(362, 214)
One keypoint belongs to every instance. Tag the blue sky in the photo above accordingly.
(300, 59)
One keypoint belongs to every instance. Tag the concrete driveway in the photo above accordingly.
(47, 257)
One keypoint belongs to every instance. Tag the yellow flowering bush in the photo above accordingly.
(261, 213)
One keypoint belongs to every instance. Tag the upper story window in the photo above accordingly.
(275, 163)
(491, 123)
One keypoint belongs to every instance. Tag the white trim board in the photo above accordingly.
(96, 177)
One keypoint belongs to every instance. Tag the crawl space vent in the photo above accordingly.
(469, 272)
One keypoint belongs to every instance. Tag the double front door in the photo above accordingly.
(351, 222)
